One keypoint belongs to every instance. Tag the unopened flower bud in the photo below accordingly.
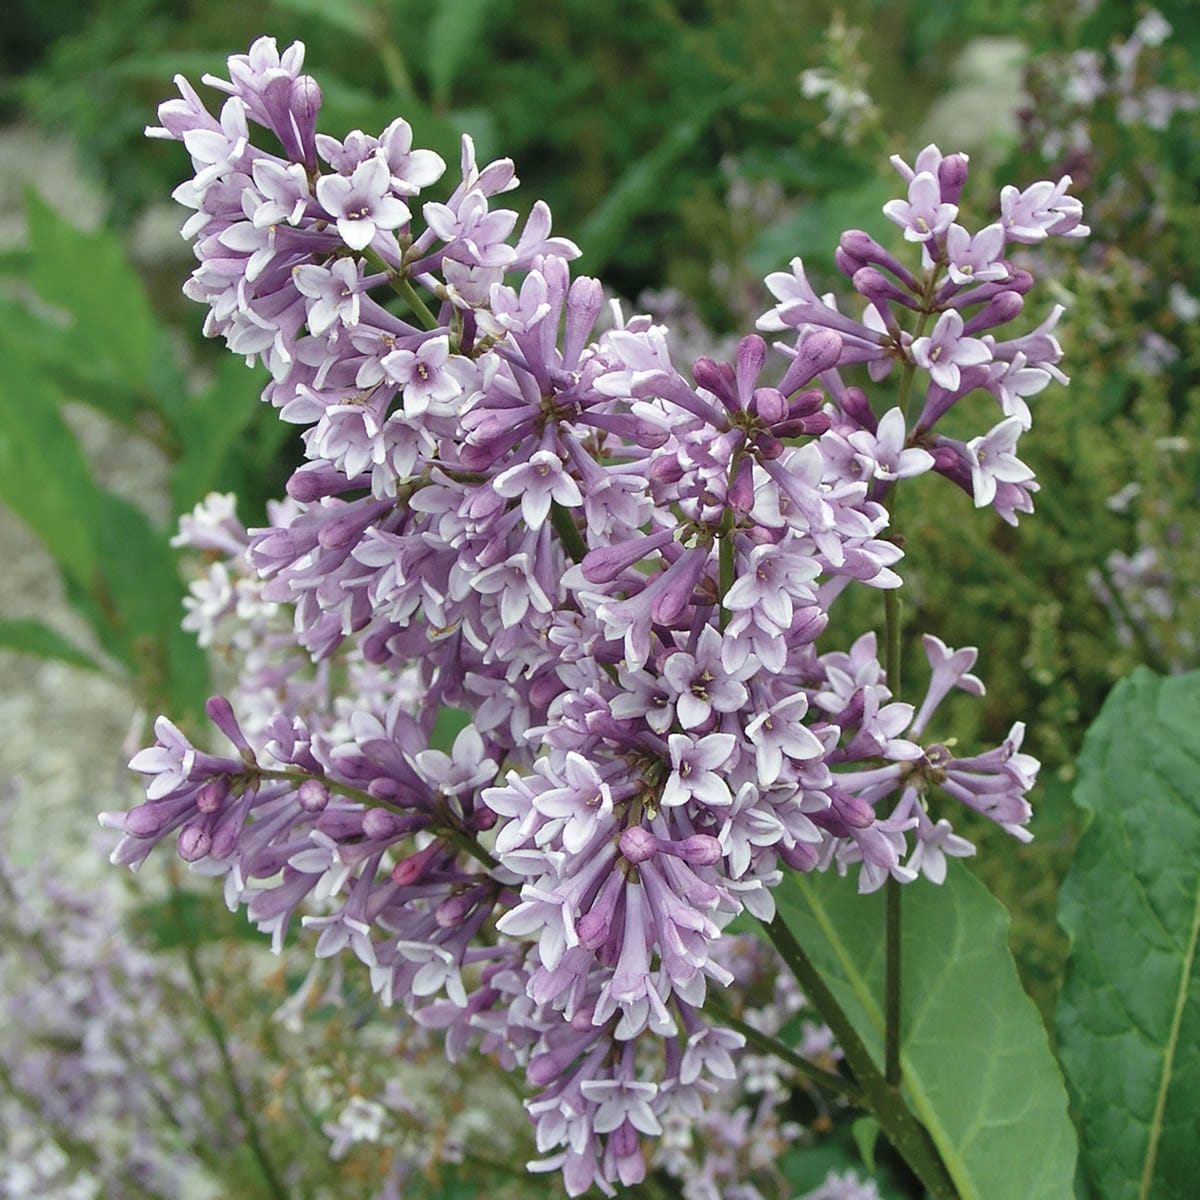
(380, 825)
(857, 407)
(312, 796)
(212, 795)
(638, 844)
(820, 351)
(194, 841)
(768, 404)
(999, 310)
(952, 175)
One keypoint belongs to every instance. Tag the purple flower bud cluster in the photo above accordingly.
(617, 567)
(964, 290)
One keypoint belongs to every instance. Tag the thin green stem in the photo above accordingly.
(216, 1031)
(883, 1101)
(893, 991)
(725, 564)
(892, 971)
(402, 287)
(460, 837)
(892, 634)
(827, 1081)
(568, 531)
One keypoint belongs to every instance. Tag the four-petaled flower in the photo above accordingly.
(362, 205)
(946, 350)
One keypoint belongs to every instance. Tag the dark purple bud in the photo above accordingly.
(315, 480)
(220, 713)
(860, 245)
(999, 310)
(341, 531)
(768, 404)
(582, 1020)
(605, 563)
(227, 832)
(854, 811)
(638, 844)
(741, 490)
(195, 841)
(800, 857)
(751, 354)
(665, 470)
(952, 175)
(409, 870)
(857, 407)
(770, 446)
(808, 624)
(805, 403)
(312, 796)
(453, 911)
(852, 714)
(847, 263)
(594, 926)
(949, 460)
(717, 378)
(381, 825)
(152, 818)
(544, 689)
(878, 288)
(699, 850)
(819, 351)
(812, 426)
(544, 1069)
(212, 795)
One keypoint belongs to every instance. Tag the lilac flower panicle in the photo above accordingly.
(617, 566)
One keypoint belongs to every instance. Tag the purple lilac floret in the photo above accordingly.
(616, 564)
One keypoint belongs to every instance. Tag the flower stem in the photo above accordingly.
(881, 1099)
(892, 971)
(403, 288)
(460, 837)
(568, 531)
(827, 1081)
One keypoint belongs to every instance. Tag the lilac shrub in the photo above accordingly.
(616, 567)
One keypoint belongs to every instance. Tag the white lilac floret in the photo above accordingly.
(617, 564)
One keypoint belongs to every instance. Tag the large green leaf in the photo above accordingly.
(1129, 1015)
(27, 636)
(141, 598)
(44, 477)
(111, 329)
(978, 1071)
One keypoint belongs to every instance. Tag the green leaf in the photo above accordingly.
(638, 189)
(44, 477)
(454, 31)
(866, 1135)
(216, 418)
(977, 1066)
(1129, 1014)
(142, 600)
(112, 330)
(447, 725)
(27, 636)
